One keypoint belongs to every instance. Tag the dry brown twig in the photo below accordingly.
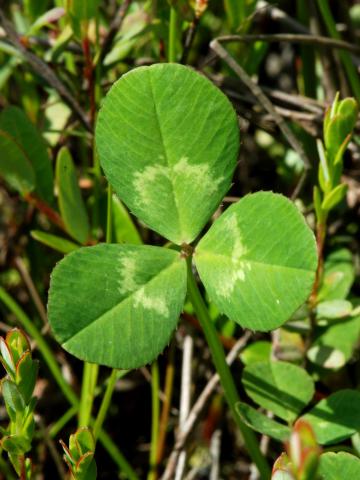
(115, 26)
(306, 39)
(185, 396)
(20, 265)
(216, 46)
(198, 407)
(44, 71)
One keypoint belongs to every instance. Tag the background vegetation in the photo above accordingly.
(57, 61)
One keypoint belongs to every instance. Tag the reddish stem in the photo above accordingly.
(44, 208)
(89, 76)
(165, 412)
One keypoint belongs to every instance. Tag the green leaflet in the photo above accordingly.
(281, 387)
(117, 305)
(15, 166)
(17, 125)
(341, 465)
(335, 418)
(71, 204)
(326, 356)
(258, 261)
(168, 142)
(334, 345)
(261, 423)
(333, 309)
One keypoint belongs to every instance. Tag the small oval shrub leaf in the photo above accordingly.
(117, 305)
(258, 261)
(335, 345)
(339, 274)
(261, 423)
(168, 141)
(334, 466)
(281, 387)
(334, 309)
(326, 356)
(259, 351)
(335, 418)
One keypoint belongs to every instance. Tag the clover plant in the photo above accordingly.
(168, 142)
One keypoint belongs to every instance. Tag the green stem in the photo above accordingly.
(114, 374)
(91, 370)
(104, 407)
(173, 33)
(67, 391)
(155, 386)
(90, 374)
(226, 379)
(344, 55)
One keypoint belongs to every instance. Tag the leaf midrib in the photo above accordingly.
(126, 298)
(163, 145)
(254, 262)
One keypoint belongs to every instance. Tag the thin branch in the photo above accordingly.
(299, 186)
(165, 412)
(20, 265)
(310, 122)
(266, 103)
(198, 407)
(44, 71)
(147, 376)
(292, 37)
(262, 99)
(189, 38)
(215, 449)
(115, 26)
(301, 102)
(45, 209)
(274, 13)
(50, 42)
